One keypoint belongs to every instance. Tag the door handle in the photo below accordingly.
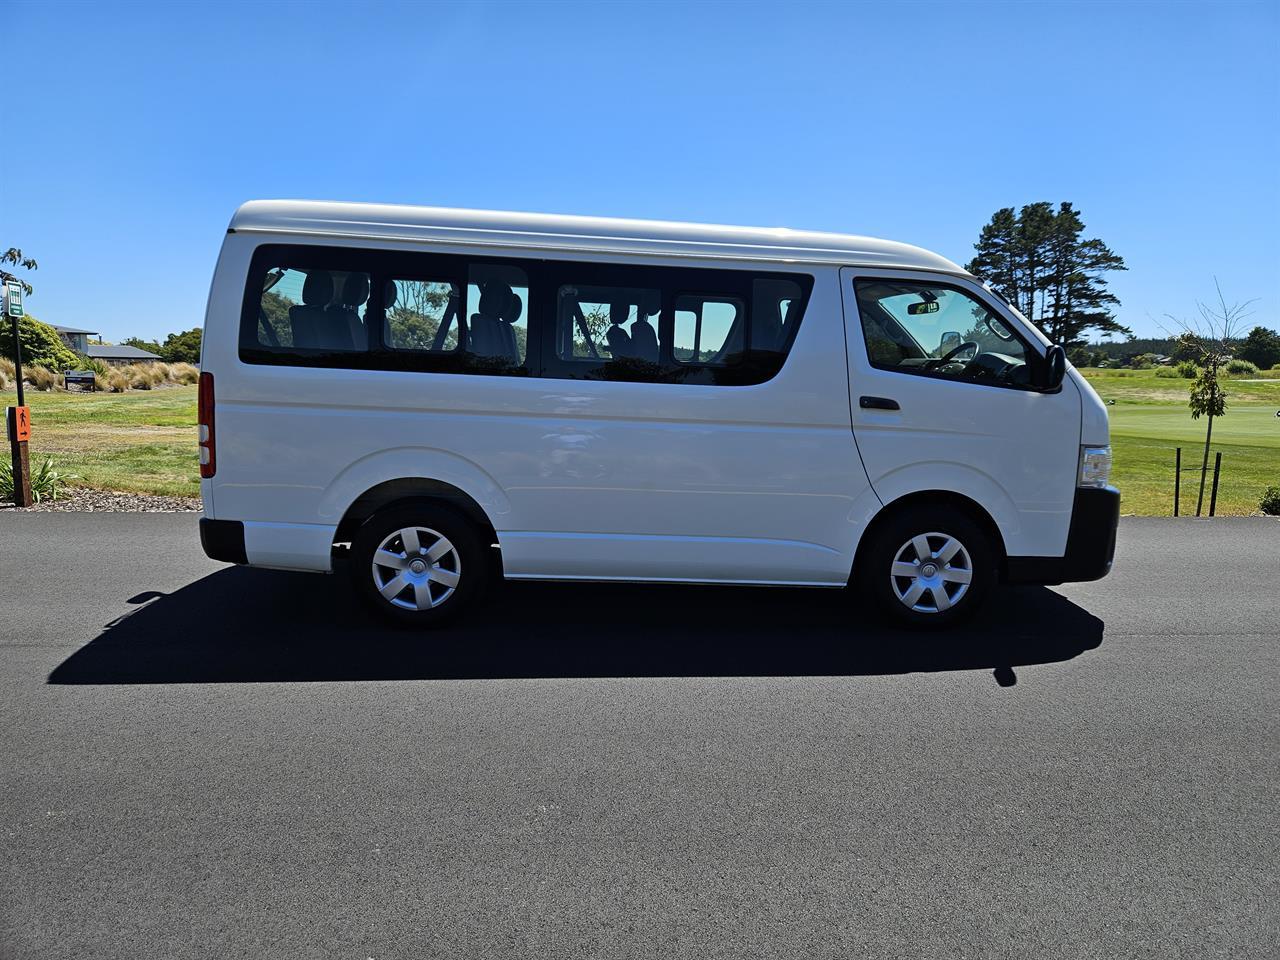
(878, 403)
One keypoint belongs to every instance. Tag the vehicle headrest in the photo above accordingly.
(618, 313)
(317, 289)
(355, 289)
(494, 299)
(389, 294)
(514, 308)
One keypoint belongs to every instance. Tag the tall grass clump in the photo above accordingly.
(40, 378)
(7, 369)
(184, 373)
(1187, 369)
(141, 376)
(116, 381)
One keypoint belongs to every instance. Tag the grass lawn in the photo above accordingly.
(1150, 419)
(145, 441)
(141, 441)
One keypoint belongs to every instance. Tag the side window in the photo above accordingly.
(313, 309)
(939, 331)
(708, 329)
(608, 324)
(421, 315)
(496, 331)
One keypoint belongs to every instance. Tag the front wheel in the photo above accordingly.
(928, 567)
(419, 563)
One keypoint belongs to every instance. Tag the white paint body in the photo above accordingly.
(582, 479)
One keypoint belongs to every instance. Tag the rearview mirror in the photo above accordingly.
(1055, 365)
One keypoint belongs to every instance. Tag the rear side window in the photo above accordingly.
(708, 329)
(314, 309)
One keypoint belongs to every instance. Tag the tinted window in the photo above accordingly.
(421, 315)
(313, 309)
(939, 331)
(708, 329)
(497, 323)
(316, 305)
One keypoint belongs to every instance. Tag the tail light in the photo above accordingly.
(208, 449)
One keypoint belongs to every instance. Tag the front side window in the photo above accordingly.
(937, 330)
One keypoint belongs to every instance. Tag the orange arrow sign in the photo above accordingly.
(21, 423)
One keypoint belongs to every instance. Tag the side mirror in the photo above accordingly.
(950, 340)
(1055, 367)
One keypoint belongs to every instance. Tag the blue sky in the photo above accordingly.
(134, 130)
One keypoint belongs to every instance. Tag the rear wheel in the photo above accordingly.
(929, 566)
(418, 564)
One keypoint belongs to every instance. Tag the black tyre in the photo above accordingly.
(928, 567)
(419, 563)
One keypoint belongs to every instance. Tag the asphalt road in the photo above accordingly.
(203, 761)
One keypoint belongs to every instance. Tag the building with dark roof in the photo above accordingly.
(118, 355)
(74, 337)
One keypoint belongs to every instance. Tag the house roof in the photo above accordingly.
(61, 329)
(490, 228)
(101, 352)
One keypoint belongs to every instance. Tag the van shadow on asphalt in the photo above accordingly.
(242, 625)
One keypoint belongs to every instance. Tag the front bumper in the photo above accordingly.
(1091, 543)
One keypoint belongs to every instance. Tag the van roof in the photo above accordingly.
(379, 221)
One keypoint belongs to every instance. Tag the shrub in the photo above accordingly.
(184, 373)
(99, 367)
(41, 345)
(46, 482)
(1240, 367)
(1271, 502)
(1168, 373)
(1187, 370)
(40, 378)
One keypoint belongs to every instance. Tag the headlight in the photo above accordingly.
(1095, 467)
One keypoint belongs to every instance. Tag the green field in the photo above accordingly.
(1150, 419)
(145, 441)
(141, 441)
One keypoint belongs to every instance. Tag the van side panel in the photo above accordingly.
(580, 478)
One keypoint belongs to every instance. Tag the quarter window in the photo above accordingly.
(936, 330)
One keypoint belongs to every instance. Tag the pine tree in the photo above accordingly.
(1037, 259)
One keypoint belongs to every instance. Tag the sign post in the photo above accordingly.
(18, 419)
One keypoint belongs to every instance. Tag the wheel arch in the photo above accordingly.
(933, 498)
(407, 490)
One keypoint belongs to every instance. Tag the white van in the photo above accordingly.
(432, 399)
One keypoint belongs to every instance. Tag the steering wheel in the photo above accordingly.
(951, 353)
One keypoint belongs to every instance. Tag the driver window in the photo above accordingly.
(914, 327)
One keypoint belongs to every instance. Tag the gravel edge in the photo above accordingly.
(83, 499)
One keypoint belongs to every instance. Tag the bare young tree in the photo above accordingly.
(1210, 340)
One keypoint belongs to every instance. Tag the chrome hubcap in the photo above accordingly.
(416, 568)
(931, 572)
